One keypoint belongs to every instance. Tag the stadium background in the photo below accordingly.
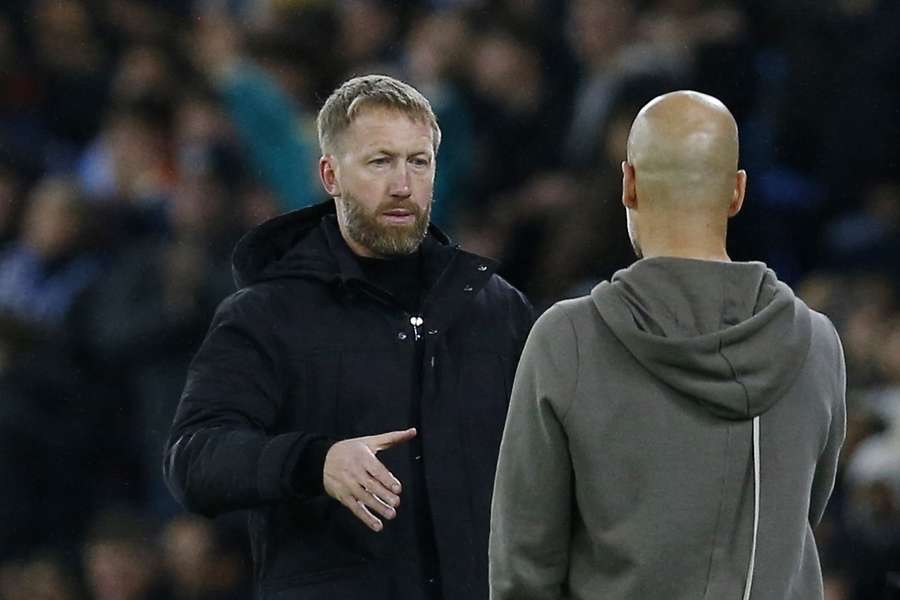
(140, 138)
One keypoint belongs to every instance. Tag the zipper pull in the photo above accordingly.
(416, 322)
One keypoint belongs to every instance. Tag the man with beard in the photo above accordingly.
(352, 394)
(686, 417)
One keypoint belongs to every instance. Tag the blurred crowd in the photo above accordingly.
(140, 138)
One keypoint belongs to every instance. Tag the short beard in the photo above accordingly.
(384, 240)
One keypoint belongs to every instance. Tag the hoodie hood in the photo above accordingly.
(729, 335)
(295, 245)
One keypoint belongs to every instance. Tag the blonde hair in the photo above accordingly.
(345, 103)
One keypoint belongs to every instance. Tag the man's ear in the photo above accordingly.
(328, 175)
(740, 190)
(629, 193)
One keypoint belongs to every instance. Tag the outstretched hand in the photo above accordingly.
(357, 479)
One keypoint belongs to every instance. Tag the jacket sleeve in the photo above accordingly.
(826, 467)
(533, 498)
(222, 453)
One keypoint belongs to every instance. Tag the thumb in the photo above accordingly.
(383, 441)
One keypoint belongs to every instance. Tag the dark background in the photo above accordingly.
(140, 138)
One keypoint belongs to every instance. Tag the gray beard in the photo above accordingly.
(384, 240)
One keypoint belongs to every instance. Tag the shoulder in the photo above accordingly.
(566, 315)
(824, 334)
(555, 328)
(827, 351)
(502, 296)
(255, 303)
(499, 287)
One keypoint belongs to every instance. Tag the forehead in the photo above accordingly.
(389, 128)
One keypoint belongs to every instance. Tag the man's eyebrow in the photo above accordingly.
(378, 150)
(382, 150)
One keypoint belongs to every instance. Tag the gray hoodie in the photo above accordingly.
(674, 435)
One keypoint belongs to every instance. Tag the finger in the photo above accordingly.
(377, 489)
(383, 476)
(384, 441)
(376, 505)
(362, 513)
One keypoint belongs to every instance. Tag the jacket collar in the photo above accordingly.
(307, 243)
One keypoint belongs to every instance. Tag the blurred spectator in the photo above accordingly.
(122, 558)
(367, 39)
(144, 71)
(43, 272)
(44, 425)
(127, 170)
(435, 47)
(869, 237)
(136, 21)
(10, 205)
(201, 562)
(73, 62)
(679, 28)
(23, 134)
(41, 577)
(278, 133)
(517, 121)
(146, 318)
(602, 34)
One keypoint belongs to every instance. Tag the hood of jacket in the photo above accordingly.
(296, 245)
(729, 335)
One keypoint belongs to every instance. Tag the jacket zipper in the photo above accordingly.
(416, 321)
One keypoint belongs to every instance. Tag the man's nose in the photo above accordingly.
(400, 182)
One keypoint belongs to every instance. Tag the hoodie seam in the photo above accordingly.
(735, 375)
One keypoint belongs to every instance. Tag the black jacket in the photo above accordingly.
(307, 352)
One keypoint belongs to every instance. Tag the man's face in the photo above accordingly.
(382, 176)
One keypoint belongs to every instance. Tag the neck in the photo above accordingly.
(715, 254)
(700, 241)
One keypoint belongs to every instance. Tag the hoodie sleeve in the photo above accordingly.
(221, 455)
(531, 511)
(826, 467)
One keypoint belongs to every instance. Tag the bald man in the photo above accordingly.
(675, 434)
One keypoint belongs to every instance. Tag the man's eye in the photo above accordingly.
(420, 162)
(380, 161)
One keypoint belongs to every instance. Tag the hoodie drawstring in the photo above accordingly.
(752, 564)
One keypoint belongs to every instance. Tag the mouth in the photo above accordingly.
(399, 216)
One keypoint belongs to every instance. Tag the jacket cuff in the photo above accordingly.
(290, 459)
(306, 465)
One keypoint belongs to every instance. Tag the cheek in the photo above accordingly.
(424, 187)
(363, 188)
